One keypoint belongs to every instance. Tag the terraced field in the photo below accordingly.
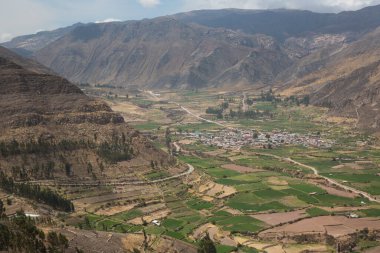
(236, 195)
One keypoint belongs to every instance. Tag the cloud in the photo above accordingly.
(5, 37)
(23, 16)
(149, 3)
(108, 20)
(313, 5)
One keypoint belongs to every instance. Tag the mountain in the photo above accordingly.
(24, 62)
(328, 56)
(282, 24)
(162, 52)
(347, 80)
(51, 130)
(27, 44)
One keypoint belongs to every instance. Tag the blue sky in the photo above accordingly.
(19, 17)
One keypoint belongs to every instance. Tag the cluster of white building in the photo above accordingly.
(235, 139)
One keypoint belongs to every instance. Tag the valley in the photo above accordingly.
(239, 193)
(208, 131)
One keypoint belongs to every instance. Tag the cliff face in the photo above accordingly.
(50, 129)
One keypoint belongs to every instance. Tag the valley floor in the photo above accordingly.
(287, 178)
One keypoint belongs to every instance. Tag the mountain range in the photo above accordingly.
(332, 57)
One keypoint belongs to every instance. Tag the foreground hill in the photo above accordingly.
(50, 129)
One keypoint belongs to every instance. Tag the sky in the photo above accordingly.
(20, 17)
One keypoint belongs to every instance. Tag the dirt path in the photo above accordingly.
(245, 106)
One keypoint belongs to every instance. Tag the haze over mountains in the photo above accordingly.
(299, 52)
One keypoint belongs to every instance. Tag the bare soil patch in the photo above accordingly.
(343, 208)
(114, 210)
(240, 169)
(216, 234)
(320, 248)
(275, 249)
(161, 244)
(186, 142)
(252, 244)
(277, 181)
(334, 225)
(215, 190)
(232, 211)
(157, 215)
(279, 218)
(337, 192)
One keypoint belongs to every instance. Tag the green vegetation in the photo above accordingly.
(371, 212)
(315, 211)
(156, 175)
(147, 126)
(35, 192)
(20, 234)
(199, 204)
(224, 248)
(118, 149)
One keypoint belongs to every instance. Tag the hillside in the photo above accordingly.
(282, 23)
(158, 53)
(51, 130)
(208, 48)
(329, 56)
(346, 80)
(27, 44)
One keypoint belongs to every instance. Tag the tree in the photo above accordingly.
(206, 245)
(2, 209)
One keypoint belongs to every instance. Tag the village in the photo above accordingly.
(236, 138)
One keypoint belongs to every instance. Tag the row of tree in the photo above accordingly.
(116, 150)
(41, 146)
(20, 234)
(35, 192)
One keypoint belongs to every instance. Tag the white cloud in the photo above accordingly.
(22, 17)
(149, 3)
(108, 20)
(5, 37)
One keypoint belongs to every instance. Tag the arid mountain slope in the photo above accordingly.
(157, 53)
(50, 130)
(347, 80)
(282, 23)
(232, 47)
(24, 62)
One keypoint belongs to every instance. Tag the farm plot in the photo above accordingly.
(333, 225)
(280, 218)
